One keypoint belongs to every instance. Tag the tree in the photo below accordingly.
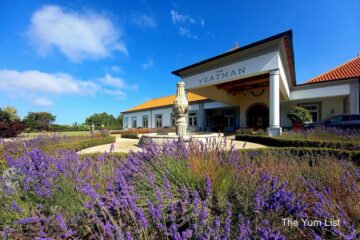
(299, 115)
(12, 113)
(39, 120)
(119, 121)
(101, 118)
(10, 126)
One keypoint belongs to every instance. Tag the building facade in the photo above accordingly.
(253, 87)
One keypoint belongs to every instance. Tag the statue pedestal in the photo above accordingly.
(181, 108)
(181, 126)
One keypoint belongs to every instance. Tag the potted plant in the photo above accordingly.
(298, 116)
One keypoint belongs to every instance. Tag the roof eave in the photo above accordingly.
(251, 45)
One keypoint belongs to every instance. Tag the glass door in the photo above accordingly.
(229, 121)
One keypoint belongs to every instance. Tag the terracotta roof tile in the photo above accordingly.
(350, 69)
(164, 101)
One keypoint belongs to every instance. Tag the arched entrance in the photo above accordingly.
(257, 116)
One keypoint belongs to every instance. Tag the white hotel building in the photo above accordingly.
(253, 86)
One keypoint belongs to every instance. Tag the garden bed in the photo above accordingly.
(180, 191)
(311, 154)
(278, 142)
(136, 133)
(51, 144)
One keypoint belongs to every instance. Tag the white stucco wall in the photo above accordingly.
(165, 112)
(329, 107)
(254, 63)
(318, 91)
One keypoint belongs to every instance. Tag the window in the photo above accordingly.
(193, 119)
(158, 120)
(145, 121)
(133, 121)
(173, 120)
(126, 123)
(314, 110)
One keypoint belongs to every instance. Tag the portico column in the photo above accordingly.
(274, 128)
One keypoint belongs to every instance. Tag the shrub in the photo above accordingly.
(10, 126)
(50, 145)
(299, 115)
(277, 142)
(63, 128)
(324, 133)
(11, 129)
(79, 145)
(130, 135)
(133, 133)
(311, 154)
(250, 131)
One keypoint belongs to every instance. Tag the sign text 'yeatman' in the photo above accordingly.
(221, 74)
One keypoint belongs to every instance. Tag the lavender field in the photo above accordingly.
(176, 191)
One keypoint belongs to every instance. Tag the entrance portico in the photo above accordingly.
(259, 73)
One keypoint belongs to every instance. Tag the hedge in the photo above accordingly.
(276, 142)
(314, 152)
(114, 154)
(77, 146)
(130, 135)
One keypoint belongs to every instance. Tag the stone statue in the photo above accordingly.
(181, 108)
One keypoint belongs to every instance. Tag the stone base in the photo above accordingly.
(274, 131)
(162, 139)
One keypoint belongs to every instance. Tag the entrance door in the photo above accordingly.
(229, 121)
(258, 117)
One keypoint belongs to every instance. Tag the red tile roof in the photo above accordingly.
(164, 101)
(350, 69)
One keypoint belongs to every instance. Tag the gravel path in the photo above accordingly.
(126, 145)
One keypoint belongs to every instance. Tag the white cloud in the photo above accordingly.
(115, 82)
(186, 33)
(144, 20)
(37, 87)
(117, 93)
(118, 86)
(147, 64)
(185, 23)
(116, 69)
(77, 36)
(43, 102)
(180, 18)
(40, 82)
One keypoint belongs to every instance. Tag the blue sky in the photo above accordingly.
(75, 58)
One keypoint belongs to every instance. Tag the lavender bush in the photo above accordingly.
(322, 133)
(175, 191)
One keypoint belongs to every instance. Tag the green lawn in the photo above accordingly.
(70, 133)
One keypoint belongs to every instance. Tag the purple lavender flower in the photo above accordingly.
(187, 234)
(28, 220)
(196, 201)
(128, 236)
(227, 221)
(203, 214)
(167, 187)
(112, 147)
(16, 207)
(208, 185)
